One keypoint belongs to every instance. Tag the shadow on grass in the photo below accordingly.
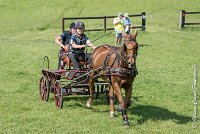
(145, 112)
(144, 45)
(80, 101)
(156, 113)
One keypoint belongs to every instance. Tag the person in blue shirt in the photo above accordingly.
(127, 23)
(63, 42)
(78, 43)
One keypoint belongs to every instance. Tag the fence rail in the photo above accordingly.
(142, 15)
(182, 19)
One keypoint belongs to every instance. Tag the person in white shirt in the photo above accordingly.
(127, 23)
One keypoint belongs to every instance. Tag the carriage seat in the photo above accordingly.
(67, 61)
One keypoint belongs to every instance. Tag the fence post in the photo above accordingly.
(182, 19)
(104, 23)
(143, 21)
(63, 21)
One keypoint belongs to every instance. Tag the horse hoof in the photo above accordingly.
(112, 114)
(126, 123)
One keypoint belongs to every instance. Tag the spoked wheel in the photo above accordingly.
(58, 94)
(44, 88)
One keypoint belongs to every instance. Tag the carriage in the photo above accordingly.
(68, 81)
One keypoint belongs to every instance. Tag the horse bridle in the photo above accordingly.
(129, 48)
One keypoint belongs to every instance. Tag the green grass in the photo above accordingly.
(162, 100)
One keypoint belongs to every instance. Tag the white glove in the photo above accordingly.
(126, 29)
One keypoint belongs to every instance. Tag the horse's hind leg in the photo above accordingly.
(111, 97)
(91, 89)
(121, 101)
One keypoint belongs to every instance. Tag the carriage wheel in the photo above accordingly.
(44, 88)
(58, 94)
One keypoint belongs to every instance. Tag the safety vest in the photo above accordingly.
(119, 27)
(78, 41)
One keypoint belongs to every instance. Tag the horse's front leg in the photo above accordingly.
(117, 90)
(128, 92)
(91, 89)
(111, 97)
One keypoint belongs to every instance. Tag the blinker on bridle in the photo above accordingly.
(130, 48)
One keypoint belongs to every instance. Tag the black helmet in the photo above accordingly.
(72, 25)
(80, 25)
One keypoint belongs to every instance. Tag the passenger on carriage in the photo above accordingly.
(63, 42)
(78, 42)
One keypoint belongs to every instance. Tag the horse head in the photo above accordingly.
(130, 48)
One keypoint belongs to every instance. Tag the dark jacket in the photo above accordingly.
(79, 41)
(66, 37)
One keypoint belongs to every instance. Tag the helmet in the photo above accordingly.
(72, 25)
(80, 25)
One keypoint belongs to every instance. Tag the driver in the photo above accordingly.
(78, 43)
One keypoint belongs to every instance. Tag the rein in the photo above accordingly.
(99, 37)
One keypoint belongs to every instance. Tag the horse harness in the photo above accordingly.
(117, 71)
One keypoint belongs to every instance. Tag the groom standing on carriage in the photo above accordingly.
(63, 42)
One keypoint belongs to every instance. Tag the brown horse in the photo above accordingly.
(118, 65)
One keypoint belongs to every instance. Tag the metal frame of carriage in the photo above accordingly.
(68, 82)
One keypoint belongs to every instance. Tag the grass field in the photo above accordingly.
(162, 100)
